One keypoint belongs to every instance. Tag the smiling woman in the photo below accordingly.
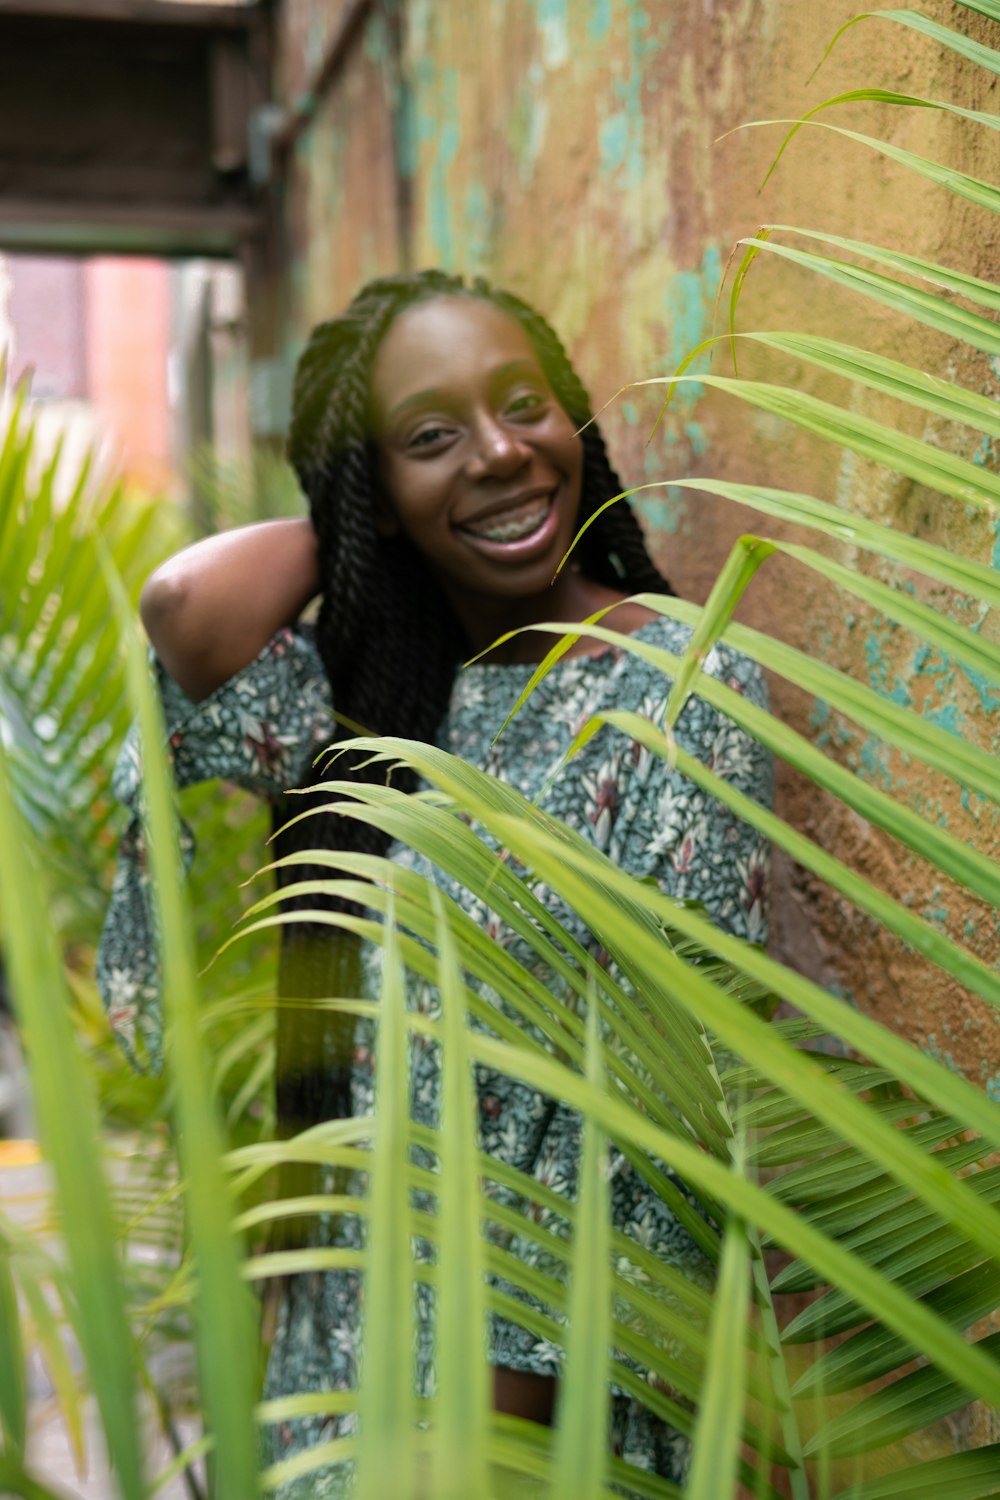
(449, 456)
(482, 470)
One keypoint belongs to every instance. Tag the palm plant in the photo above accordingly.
(64, 708)
(866, 1163)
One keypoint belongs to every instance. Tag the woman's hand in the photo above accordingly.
(212, 608)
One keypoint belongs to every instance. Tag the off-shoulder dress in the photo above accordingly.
(263, 729)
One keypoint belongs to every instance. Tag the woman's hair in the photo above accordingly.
(386, 633)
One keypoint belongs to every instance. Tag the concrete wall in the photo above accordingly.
(570, 149)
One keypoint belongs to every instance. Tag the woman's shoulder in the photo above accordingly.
(262, 727)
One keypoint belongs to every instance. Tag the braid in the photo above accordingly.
(387, 636)
(389, 644)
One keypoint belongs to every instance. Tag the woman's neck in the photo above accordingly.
(571, 599)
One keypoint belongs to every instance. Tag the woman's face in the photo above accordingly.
(480, 464)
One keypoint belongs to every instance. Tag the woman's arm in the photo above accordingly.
(212, 608)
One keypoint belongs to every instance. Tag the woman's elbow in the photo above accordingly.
(166, 605)
(169, 609)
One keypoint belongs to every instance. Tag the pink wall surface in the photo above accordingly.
(46, 314)
(127, 312)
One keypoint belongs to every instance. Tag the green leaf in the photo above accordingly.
(916, 387)
(955, 477)
(983, 194)
(989, 8)
(13, 1398)
(873, 1352)
(387, 1415)
(225, 1332)
(44, 1325)
(960, 1476)
(582, 1419)
(720, 1410)
(745, 558)
(944, 36)
(558, 864)
(885, 96)
(935, 1083)
(68, 1129)
(897, 917)
(912, 1402)
(458, 1453)
(900, 727)
(947, 852)
(913, 302)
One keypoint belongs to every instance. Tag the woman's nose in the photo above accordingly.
(497, 451)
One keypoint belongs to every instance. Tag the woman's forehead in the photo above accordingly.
(446, 341)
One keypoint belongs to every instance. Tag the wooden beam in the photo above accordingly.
(40, 227)
(348, 30)
(194, 17)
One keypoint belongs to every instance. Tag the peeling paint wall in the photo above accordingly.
(578, 151)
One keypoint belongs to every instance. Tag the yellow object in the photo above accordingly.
(19, 1154)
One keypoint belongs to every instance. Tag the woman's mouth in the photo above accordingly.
(514, 525)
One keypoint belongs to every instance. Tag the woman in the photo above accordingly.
(442, 439)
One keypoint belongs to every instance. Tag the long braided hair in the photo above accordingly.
(386, 633)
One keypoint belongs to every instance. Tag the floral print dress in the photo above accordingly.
(263, 729)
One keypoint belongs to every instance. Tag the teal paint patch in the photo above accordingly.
(553, 22)
(622, 132)
(630, 413)
(376, 39)
(448, 139)
(933, 1050)
(599, 23)
(662, 512)
(695, 434)
(986, 691)
(819, 716)
(613, 142)
(688, 303)
(872, 763)
(946, 717)
(406, 128)
(427, 122)
(928, 663)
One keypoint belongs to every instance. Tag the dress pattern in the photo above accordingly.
(263, 729)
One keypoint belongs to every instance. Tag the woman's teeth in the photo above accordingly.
(514, 524)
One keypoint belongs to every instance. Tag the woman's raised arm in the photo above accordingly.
(212, 608)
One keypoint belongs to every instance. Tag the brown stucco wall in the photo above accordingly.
(569, 149)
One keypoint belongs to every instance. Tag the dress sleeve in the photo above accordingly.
(691, 844)
(262, 730)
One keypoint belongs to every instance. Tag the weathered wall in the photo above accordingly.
(569, 149)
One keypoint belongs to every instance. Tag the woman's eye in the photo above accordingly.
(427, 436)
(529, 402)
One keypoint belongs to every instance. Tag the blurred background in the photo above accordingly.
(186, 188)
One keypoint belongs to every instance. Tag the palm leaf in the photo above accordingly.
(459, 1453)
(943, 36)
(225, 1328)
(68, 1126)
(581, 1435)
(385, 1450)
(716, 1439)
(960, 1476)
